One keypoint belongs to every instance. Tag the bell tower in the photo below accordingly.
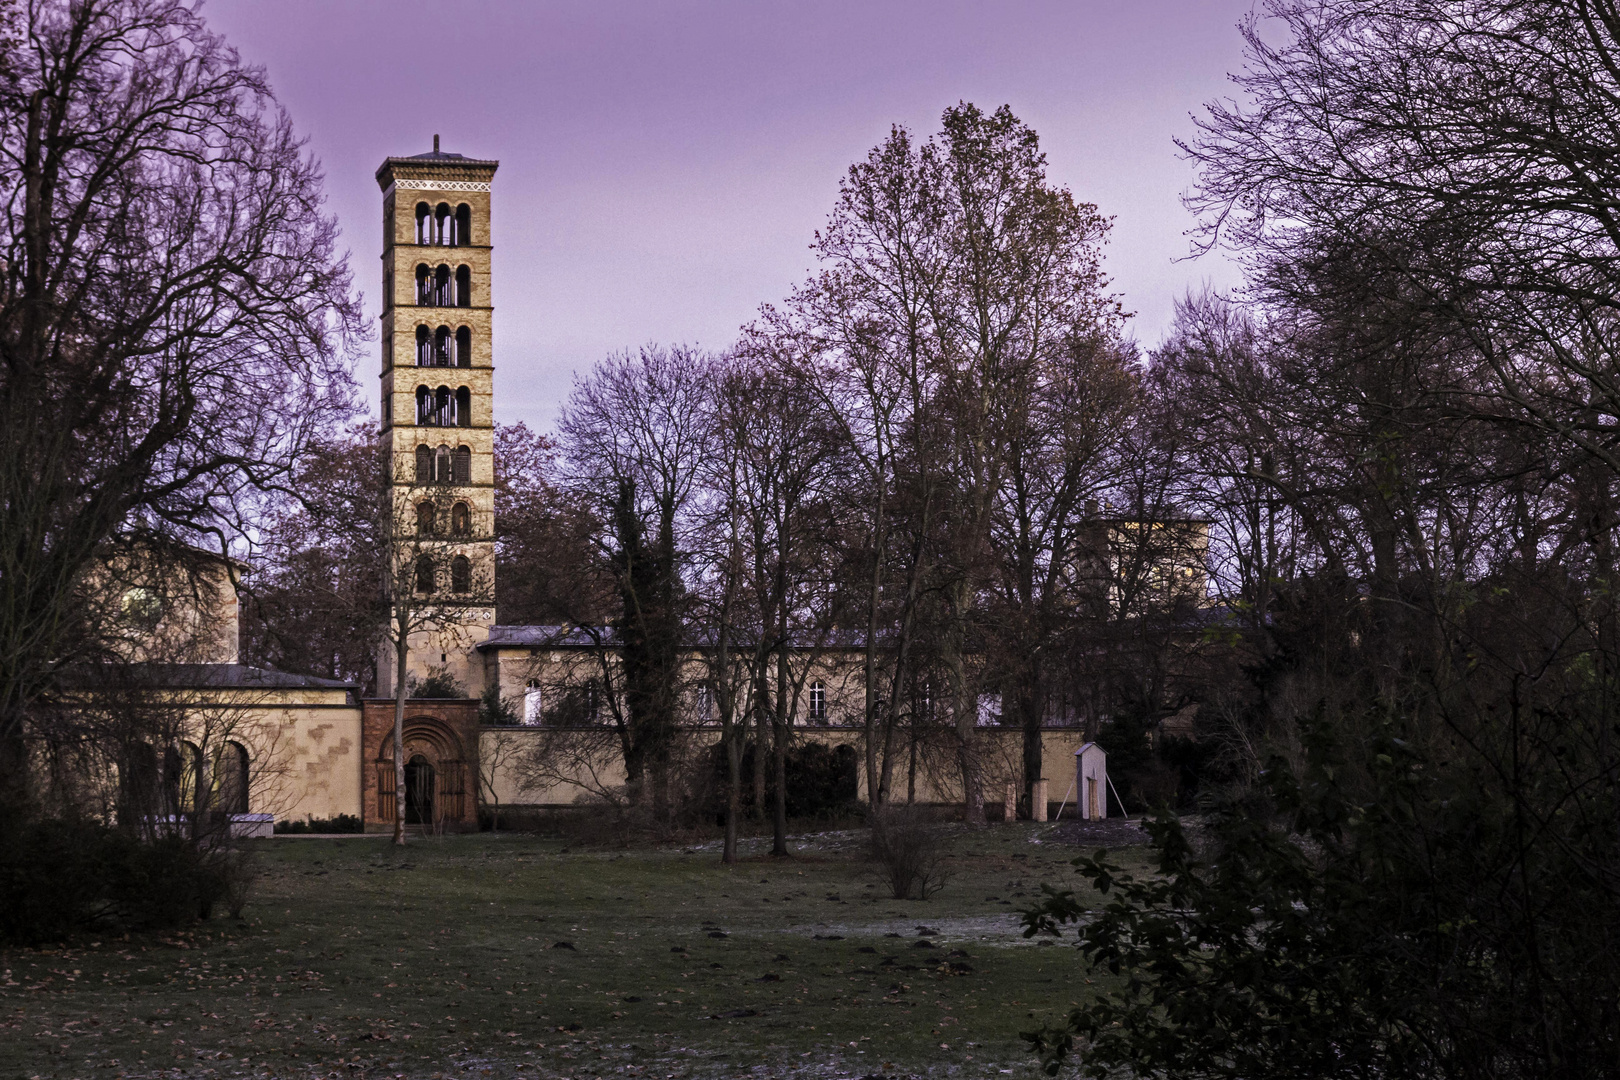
(438, 428)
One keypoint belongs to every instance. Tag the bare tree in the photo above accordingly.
(1063, 454)
(857, 338)
(954, 274)
(174, 315)
(431, 591)
(312, 597)
(633, 434)
(726, 609)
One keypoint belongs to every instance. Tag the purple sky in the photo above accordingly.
(663, 165)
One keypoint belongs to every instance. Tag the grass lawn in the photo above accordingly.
(510, 955)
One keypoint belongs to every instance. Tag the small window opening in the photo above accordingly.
(424, 286)
(533, 703)
(463, 225)
(463, 465)
(818, 703)
(463, 347)
(424, 407)
(424, 347)
(460, 518)
(441, 224)
(463, 407)
(231, 772)
(424, 228)
(426, 519)
(424, 464)
(441, 347)
(427, 580)
(463, 287)
(460, 574)
(441, 466)
(442, 296)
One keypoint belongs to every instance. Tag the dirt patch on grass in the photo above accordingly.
(1107, 833)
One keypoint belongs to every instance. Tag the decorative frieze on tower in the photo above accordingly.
(437, 397)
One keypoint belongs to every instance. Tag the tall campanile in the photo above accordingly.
(437, 396)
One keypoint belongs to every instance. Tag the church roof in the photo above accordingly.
(234, 677)
(547, 636)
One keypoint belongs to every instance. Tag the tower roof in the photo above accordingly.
(436, 164)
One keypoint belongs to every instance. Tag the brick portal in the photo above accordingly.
(441, 748)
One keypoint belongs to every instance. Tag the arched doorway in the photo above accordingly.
(420, 780)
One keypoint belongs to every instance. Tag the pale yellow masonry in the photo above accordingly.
(437, 403)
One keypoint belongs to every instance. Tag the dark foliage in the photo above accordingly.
(343, 823)
(822, 781)
(909, 846)
(1398, 915)
(495, 710)
(439, 683)
(60, 879)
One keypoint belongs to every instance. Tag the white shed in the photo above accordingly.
(1091, 781)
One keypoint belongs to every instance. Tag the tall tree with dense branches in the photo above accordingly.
(175, 317)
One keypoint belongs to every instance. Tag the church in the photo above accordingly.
(267, 746)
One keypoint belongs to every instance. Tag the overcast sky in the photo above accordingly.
(664, 165)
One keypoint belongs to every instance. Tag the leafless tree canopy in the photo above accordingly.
(174, 316)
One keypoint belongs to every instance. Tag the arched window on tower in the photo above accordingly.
(424, 223)
(463, 347)
(424, 406)
(426, 519)
(444, 404)
(463, 286)
(424, 286)
(441, 465)
(424, 464)
(427, 578)
(442, 224)
(463, 465)
(460, 574)
(443, 296)
(441, 347)
(463, 225)
(460, 520)
(463, 407)
(424, 347)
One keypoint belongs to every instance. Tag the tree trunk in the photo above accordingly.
(1027, 694)
(401, 652)
(761, 724)
(779, 756)
(728, 853)
(965, 714)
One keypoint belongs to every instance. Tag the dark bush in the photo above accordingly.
(438, 684)
(822, 781)
(59, 879)
(343, 823)
(909, 847)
